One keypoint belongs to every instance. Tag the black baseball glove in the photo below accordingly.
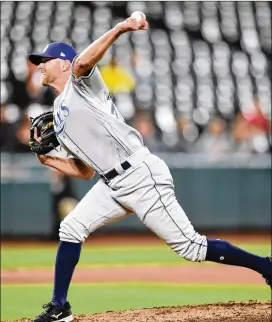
(45, 130)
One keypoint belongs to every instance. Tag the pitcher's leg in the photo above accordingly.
(68, 255)
(167, 218)
(149, 191)
(221, 251)
(172, 225)
(96, 209)
(194, 247)
(153, 200)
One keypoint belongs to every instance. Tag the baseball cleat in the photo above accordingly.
(268, 278)
(55, 313)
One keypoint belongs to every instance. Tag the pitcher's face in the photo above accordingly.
(50, 70)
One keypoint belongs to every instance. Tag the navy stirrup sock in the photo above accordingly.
(221, 251)
(67, 258)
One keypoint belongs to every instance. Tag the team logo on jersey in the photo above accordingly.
(60, 119)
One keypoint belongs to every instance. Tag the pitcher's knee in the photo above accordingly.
(72, 231)
(191, 250)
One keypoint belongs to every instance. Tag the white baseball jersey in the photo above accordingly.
(90, 127)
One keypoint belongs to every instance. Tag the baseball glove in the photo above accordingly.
(45, 130)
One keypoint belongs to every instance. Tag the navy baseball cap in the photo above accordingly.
(54, 50)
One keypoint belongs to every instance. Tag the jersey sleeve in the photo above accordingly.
(91, 84)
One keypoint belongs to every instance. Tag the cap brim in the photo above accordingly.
(36, 58)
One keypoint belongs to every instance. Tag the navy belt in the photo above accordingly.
(113, 173)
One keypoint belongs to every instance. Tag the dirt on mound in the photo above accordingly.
(251, 311)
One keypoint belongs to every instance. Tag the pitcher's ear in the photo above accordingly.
(66, 65)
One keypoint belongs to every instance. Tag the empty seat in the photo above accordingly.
(197, 59)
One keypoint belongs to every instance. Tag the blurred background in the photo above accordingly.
(196, 85)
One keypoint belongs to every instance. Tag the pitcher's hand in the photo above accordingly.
(131, 24)
(40, 157)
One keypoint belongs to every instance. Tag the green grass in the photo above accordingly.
(12, 257)
(26, 300)
(18, 301)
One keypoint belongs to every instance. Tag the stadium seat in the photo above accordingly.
(197, 60)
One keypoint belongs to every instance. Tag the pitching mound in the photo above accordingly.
(251, 311)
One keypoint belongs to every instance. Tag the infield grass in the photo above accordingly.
(18, 301)
(44, 256)
(25, 301)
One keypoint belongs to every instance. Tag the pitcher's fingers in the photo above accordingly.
(145, 25)
(36, 135)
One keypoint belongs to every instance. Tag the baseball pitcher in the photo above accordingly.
(89, 126)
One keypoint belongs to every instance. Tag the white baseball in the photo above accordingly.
(138, 15)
